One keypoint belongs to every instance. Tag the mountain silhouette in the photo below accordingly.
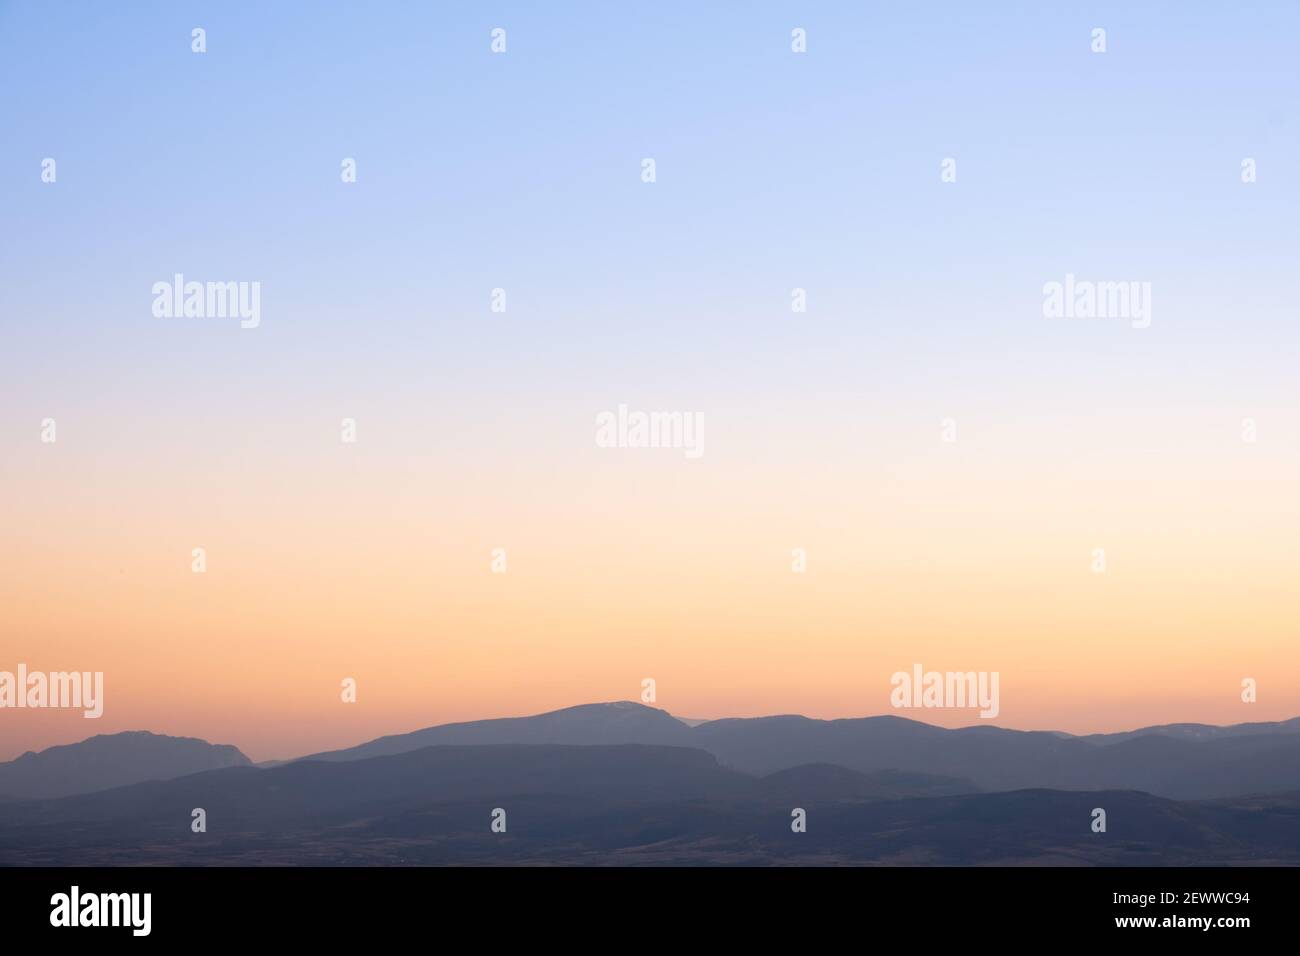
(111, 760)
(1180, 761)
(1200, 732)
(633, 804)
(621, 722)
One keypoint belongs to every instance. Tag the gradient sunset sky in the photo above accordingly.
(475, 430)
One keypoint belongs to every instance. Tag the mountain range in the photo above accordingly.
(1180, 761)
(624, 804)
(111, 760)
(627, 783)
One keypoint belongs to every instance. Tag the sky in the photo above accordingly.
(824, 430)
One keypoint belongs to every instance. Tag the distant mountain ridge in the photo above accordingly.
(1200, 731)
(880, 790)
(111, 760)
(619, 722)
(630, 804)
(1179, 761)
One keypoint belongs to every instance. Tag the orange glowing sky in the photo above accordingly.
(476, 428)
(372, 561)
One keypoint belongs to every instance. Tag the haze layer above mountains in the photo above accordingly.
(627, 784)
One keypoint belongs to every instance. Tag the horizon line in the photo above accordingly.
(687, 722)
